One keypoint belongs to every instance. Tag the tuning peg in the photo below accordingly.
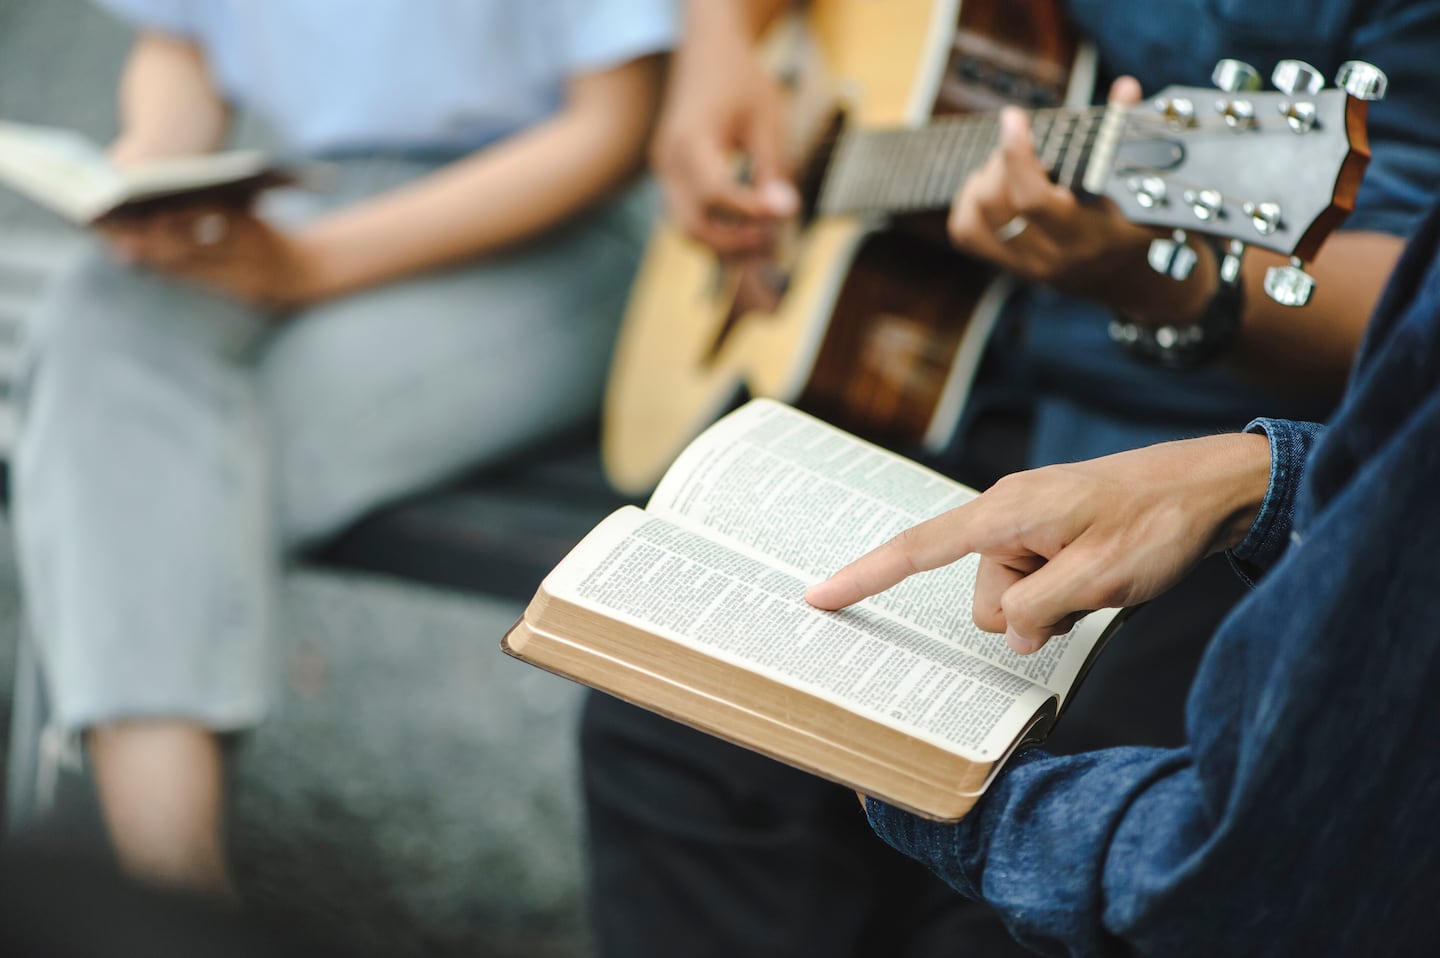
(1235, 76)
(1289, 285)
(1239, 114)
(1230, 262)
(1363, 81)
(1265, 217)
(1178, 111)
(1172, 257)
(1297, 78)
(1300, 117)
(1149, 190)
(1205, 204)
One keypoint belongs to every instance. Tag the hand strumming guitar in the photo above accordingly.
(722, 101)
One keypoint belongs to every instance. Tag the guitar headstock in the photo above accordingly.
(1276, 170)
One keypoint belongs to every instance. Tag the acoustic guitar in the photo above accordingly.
(878, 327)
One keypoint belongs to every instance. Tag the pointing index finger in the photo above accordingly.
(929, 545)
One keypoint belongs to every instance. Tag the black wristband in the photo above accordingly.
(1195, 343)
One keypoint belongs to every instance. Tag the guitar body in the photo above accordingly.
(875, 328)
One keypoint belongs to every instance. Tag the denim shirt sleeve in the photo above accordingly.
(1290, 444)
(1290, 820)
(1044, 812)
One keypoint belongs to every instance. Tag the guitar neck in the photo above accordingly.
(918, 170)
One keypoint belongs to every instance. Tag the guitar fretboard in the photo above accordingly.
(919, 170)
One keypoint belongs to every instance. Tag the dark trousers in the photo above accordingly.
(701, 848)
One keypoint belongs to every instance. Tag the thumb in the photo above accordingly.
(1125, 90)
(1016, 140)
(765, 146)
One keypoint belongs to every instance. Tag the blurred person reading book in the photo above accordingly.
(214, 385)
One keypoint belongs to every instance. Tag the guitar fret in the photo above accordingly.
(1042, 130)
(1097, 167)
(939, 162)
(867, 171)
(1078, 161)
(917, 170)
(941, 189)
(882, 183)
(1055, 157)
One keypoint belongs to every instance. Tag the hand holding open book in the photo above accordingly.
(1115, 531)
(70, 175)
(694, 607)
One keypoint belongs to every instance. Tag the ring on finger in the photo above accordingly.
(209, 229)
(1011, 228)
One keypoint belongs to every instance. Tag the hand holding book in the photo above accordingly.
(227, 249)
(694, 608)
(1057, 541)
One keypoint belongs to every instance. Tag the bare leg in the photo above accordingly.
(161, 789)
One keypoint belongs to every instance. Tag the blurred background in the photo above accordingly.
(415, 793)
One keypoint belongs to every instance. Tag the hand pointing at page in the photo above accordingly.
(1057, 541)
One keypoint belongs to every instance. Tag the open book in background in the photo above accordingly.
(694, 608)
(69, 174)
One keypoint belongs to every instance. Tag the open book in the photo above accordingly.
(693, 607)
(69, 174)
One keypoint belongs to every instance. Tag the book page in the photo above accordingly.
(774, 482)
(182, 174)
(692, 590)
(70, 174)
(57, 168)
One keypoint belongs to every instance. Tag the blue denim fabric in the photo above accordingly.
(1290, 444)
(1091, 399)
(1301, 816)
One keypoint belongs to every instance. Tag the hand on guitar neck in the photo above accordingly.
(1011, 213)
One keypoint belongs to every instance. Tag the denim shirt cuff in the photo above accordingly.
(931, 843)
(952, 850)
(1263, 545)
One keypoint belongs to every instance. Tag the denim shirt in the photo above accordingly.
(1092, 399)
(1303, 815)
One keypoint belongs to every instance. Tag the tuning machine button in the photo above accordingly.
(1149, 190)
(1235, 76)
(1239, 114)
(1206, 204)
(1177, 111)
(1363, 81)
(1289, 285)
(1264, 216)
(1172, 257)
(1230, 262)
(1300, 116)
(1297, 78)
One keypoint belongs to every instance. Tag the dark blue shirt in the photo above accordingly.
(1303, 816)
(1092, 400)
